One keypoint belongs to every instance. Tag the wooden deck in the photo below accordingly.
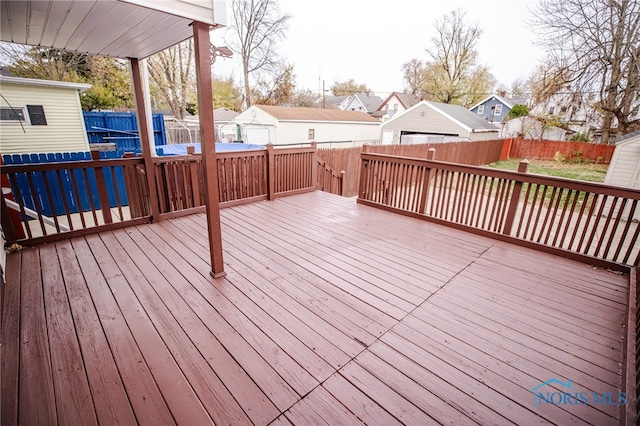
(330, 313)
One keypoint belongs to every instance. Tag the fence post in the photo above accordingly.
(424, 194)
(191, 149)
(314, 165)
(105, 206)
(271, 172)
(523, 167)
(342, 175)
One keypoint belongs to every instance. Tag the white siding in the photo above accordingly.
(64, 131)
(290, 132)
(424, 119)
(624, 169)
(624, 164)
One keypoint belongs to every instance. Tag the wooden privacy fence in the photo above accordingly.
(587, 221)
(75, 198)
(546, 150)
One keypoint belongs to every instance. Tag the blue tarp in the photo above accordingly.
(181, 148)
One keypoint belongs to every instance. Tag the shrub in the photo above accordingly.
(559, 157)
(580, 137)
(518, 110)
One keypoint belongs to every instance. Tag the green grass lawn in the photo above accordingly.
(581, 171)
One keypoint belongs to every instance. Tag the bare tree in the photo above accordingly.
(172, 72)
(451, 74)
(414, 75)
(258, 26)
(597, 42)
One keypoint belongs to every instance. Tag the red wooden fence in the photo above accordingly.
(547, 149)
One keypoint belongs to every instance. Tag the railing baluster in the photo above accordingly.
(625, 232)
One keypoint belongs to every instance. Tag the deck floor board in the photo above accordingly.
(330, 313)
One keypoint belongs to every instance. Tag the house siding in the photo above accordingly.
(488, 105)
(64, 132)
(298, 132)
(624, 169)
(255, 123)
(432, 122)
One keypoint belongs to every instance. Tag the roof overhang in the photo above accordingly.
(116, 28)
(47, 83)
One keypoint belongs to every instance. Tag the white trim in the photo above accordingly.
(480, 109)
(497, 113)
(49, 83)
(25, 113)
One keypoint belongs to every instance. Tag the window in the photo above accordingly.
(312, 134)
(15, 114)
(395, 107)
(498, 111)
(481, 109)
(552, 110)
(36, 115)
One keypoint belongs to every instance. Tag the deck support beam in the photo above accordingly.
(146, 134)
(207, 141)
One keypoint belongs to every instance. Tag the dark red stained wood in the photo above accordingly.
(387, 397)
(319, 407)
(363, 407)
(180, 396)
(109, 396)
(73, 397)
(413, 392)
(288, 367)
(36, 407)
(10, 339)
(496, 322)
(144, 395)
(203, 353)
(262, 373)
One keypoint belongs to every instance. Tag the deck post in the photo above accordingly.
(145, 135)
(271, 172)
(105, 206)
(342, 175)
(202, 45)
(523, 167)
(363, 173)
(314, 165)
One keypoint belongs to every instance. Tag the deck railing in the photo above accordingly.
(73, 198)
(587, 221)
(64, 199)
(329, 180)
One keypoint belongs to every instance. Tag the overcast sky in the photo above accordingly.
(335, 40)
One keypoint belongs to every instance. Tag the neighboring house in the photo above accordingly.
(361, 102)
(41, 116)
(398, 102)
(224, 124)
(531, 127)
(495, 108)
(428, 122)
(624, 168)
(571, 110)
(262, 124)
(331, 102)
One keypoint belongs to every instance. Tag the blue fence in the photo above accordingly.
(42, 181)
(121, 128)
